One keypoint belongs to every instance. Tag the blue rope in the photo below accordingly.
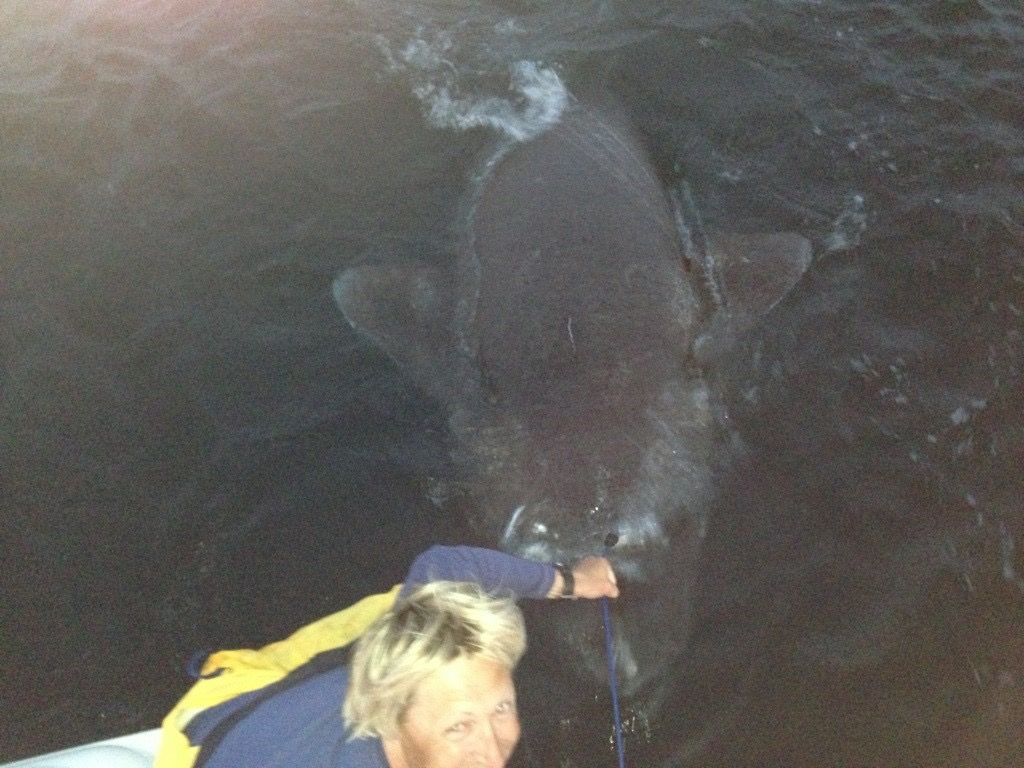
(610, 541)
(611, 679)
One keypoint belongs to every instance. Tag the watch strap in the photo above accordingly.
(568, 580)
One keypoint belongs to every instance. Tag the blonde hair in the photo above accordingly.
(437, 623)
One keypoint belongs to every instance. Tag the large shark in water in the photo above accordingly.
(562, 343)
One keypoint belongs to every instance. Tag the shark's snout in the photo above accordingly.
(631, 544)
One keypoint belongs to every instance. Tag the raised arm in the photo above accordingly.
(496, 571)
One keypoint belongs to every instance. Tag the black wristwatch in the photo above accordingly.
(568, 580)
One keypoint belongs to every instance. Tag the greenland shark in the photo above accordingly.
(566, 342)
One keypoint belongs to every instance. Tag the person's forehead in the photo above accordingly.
(465, 680)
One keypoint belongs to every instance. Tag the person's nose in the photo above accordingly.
(489, 748)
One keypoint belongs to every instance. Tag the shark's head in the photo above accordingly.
(639, 498)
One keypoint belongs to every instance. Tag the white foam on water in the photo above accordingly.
(848, 226)
(539, 99)
(536, 96)
(1007, 545)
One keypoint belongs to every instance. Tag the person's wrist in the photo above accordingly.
(568, 580)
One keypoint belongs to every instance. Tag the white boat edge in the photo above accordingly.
(136, 750)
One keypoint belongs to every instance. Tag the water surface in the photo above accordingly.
(197, 451)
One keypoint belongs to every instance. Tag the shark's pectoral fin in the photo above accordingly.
(755, 271)
(750, 274)
(406, 311)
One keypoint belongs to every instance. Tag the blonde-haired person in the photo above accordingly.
(429, 684)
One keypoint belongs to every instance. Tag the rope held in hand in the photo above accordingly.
(610, 541)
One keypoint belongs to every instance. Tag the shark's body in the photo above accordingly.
(561, 345)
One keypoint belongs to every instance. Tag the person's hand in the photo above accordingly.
(594, 578)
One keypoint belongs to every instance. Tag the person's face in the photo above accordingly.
(462, 716)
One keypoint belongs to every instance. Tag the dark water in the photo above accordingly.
(197, 451)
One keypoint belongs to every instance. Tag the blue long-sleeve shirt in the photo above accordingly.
(300, 724)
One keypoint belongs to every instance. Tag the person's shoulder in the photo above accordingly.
(360, 753)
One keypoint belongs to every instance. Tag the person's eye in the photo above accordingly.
(505, 708)
(458, 730)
